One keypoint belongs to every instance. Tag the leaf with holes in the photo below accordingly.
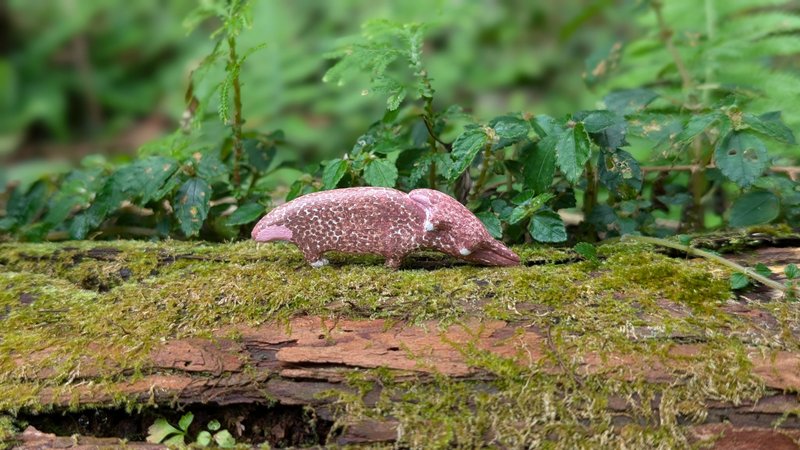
(619, 171)
(192, 204)
(754, 208)
(742, 157)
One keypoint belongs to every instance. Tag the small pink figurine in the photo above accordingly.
(382, 221)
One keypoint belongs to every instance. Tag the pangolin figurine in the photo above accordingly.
(382, 221)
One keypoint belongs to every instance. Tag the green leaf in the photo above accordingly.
(224, 439)
(204, 438)
(629, 101)
(465, 148)
(160, 430)
(185, 421)
(598, 121)
(791, 271)
(192, 204)
(155, 171)
(547, 226)
(762, 270)
(333, 173)
(258, 155)
(619, 171)
(295, 190)
(771, 125)
(177, 440)
(214, 425)
(739, 280)
(529, 207)
(587, 250)
(510, 129)
(209, 166)
(545, 125)
(491, 222)
(539, 164)
(754, 208)
(696, 125)
(572, 152)
(245, 214)
(742, 157)
(381, 173)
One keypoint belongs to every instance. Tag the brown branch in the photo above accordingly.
(792, 171)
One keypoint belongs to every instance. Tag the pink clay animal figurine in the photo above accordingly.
(382, 221)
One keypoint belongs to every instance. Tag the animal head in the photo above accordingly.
(451, 228)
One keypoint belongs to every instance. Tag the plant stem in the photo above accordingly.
(666, 36)
(590, 198)
(716, 258)
(484, 174)
(237, 110)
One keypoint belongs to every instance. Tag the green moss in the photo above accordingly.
(128, 297)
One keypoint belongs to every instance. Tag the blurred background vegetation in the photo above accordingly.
(102, 78)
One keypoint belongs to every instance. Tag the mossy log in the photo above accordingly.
(637, 348)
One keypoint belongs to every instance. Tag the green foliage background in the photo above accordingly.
(520, 109)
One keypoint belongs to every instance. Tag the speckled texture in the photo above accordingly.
(382, 221)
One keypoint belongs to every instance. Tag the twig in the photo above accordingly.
(716, 258)
(792, 171)
(666, 36)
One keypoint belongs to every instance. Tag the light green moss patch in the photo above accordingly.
(126, 297)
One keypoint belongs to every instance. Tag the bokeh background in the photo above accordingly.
(80, 77)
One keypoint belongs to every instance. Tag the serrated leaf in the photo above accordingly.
(333, 173)
(742, 157)
(529, 207)
(539, 164)
(547, 226)
(754, 208)
(209, 166)
(629, 101)
(380, 173)
(155, 172)
(465, 148)
(203, 438)
(791, 271)
(159, 431)
(572, 152)
(245, 214)
(224, 439)
(619, 171)
(192, 205)
(492, 223)
(510, 129)
(587, 250)
(545, 125)
(258, 154)
(771, 125)
(739, 280)
(185, 421)
(598, 121)
(696, 125)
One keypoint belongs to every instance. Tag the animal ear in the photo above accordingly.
(433, 221)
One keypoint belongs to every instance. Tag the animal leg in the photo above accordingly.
(314, 258)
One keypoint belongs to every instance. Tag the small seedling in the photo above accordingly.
(162, 432)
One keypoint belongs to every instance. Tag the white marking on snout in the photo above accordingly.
(464, 251)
